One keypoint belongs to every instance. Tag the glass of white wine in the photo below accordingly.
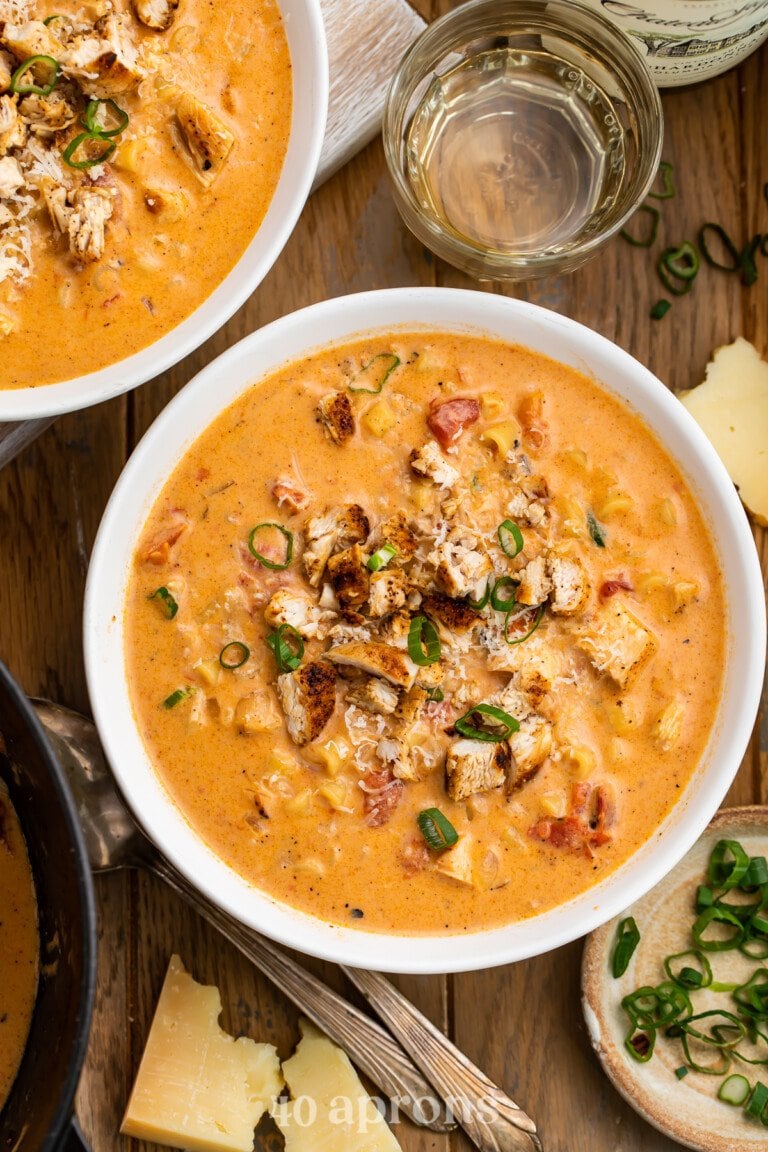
(520, 135)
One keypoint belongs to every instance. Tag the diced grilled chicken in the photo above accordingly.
(376, 660)
(91, 209)
(48, 114)
(409, 708)
(11, 176)
(13, 131)
(287, 491)
(399, 533)
(308, 697)
(33, 38)
(301, 612)
(257, 712)
(55, 196)
(530, 747)
(429, 462)
(475, 766)
(513, 699)
(457, 861)
(335, 528)
(349, 578)
(155, 14)
(7, 68)
(386, 592)
(394, 752)
(460, 568)
(558, 578)
(374, 695)
(335, 414)
(453, 615)
(535, 584)
(396, 749)
(171, 203)
(206, 136)
(616, 642)
(104, 62)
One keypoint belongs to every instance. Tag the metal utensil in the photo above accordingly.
(489, 1117)
(114, 840)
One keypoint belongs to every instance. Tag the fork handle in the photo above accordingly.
(371, 1048)
(489, 1117)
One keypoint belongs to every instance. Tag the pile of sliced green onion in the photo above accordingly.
(731, 914)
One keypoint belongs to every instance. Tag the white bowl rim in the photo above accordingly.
(305, 32)
(211, 392)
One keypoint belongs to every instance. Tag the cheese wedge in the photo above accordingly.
(731, 406)
(197, 1087)
(329, 1110)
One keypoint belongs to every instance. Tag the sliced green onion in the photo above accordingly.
(381, 557)
(627, 939)
(376, 373)
(640, 1044)
(176, 697)
(756, 874)
(435, 696)
(755, 1105)
(663, 1005)
(423, 642)
(287, 646)
(687, 976)
(50, 19)
(728, 864)
(759, 924)
(704, 898)
(752, 997)
(717, 915)
(596, 530)
(437, 829)
(478, 605)
(522, 617)
(465, 726)
(166, 601)
(682, 1072)
(660, 309)
(747, 266)
(667, 184)
(498, 601)
(91, 124)
(510, 538)
(89, 161)
(756, 948)
(734, 1089)
(649, 238)
(728, 247)
(33, 88)
(262, 559)
(234, 655)
(678, 264)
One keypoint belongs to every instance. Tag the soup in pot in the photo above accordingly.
(425, 634)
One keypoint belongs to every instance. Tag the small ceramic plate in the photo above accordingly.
(687, 1110)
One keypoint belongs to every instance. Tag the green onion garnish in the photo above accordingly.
(33, 88)
(677, 268)
(478, 605)
(704, 898)
(87, 161)
(734, 1089)
(682, 1072)
(649, 238)
(596, 530)
(747, 266)
(287, 646)
(234, 655)
(660, 309)
(265, 560)
(376, 373)
(627, 939)
(176, 697)
(728, 864)
(717, 915)
(688, 976)
(759, 924)
(667, 185)
(493, 735)
(756, 873)
(502, 603)
(755, 1106)
(50, 19)
(520, 621)
(381, 557)
(510, 538)
(435, 696)
(166, 602)
(437, 829)
(91, 124)
(728, 246)
(640, 1045)
(423, 642)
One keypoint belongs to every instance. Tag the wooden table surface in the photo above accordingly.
(521, 1023)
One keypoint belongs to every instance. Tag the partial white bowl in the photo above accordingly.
(213, 390)
(305, 32)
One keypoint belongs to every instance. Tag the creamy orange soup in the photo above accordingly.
(365, 548)
(18, 945)
(98, 262)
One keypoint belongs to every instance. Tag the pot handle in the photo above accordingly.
(73, 1140)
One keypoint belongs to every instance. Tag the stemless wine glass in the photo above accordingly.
(520, 135)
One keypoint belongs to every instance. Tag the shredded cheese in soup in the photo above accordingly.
(425, 634)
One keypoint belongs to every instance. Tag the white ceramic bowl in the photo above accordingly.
(214, 389)
(305, 32)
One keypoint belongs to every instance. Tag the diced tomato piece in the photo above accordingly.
(381, 796)
(285, 491)
(415, 857)
(611, 587)
(447, 419)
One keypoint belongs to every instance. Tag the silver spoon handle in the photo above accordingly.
(493, 1121)
(370, 1047)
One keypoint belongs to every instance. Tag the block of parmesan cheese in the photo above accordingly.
(329, 1110)
(197, 1087)
(731, 406)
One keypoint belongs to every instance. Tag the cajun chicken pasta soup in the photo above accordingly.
(140, 144)
(425, 634)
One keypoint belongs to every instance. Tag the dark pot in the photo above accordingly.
(37, 1116)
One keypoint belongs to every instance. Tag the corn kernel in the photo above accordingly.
(379, 418)
(667, 512)
(577, 456)
(311, 866)
(615, 504)
(622, 716)
(493, 405)
(335, 793)
(331, 755)
(582, 760)
(208, 672)
(420, 495)
(300, 804)
(648, 582)
(516, 839)
(669, 725)
(554, 804)
(683, 592)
